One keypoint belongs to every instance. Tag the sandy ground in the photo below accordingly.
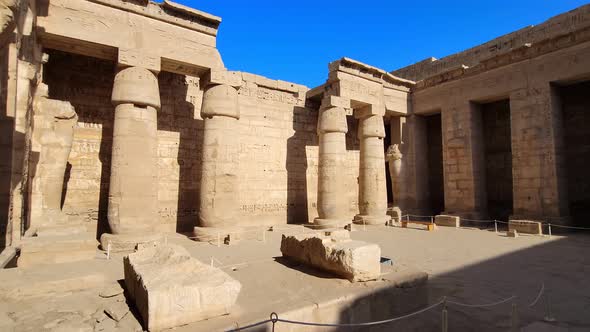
(465, 265)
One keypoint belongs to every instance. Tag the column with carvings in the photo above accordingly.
(133, 190)
(332, 200)
(219, 196)
(372, 186)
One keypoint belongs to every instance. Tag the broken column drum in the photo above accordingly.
(332, 202)
(133, 200)
(219, 199)
(372, 187)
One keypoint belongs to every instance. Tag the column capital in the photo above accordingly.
(371, 126)
(138, 86)
(220, 100)
(332, 119)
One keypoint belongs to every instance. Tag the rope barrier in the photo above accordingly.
(538, 296)
(358, 324)
(572, 227)
(482, 305)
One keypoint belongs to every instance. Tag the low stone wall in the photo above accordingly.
(526, 227)
(446, 220)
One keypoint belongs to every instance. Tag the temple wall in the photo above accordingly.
(277, 153)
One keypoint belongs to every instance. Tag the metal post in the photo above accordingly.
(445, 317)
(109, 250)
(549, 230)
(218, 240)
(514, 318)
(496, 226)
(211, 261)
(549, 316)
(431, 219)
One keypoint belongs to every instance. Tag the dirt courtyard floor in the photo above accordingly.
(547, 276)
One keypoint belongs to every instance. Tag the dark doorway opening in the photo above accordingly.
(576, 119)
(386, 144)
(435, 163)
(498, 158)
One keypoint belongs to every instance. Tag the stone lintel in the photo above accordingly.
(139, 58)
(335, 101)
(221, 76)
(369, 110)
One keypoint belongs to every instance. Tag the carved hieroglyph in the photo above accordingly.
(54, 123)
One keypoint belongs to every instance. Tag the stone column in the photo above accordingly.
(372, 187)
(133, 190)
(331, 129)
(219, 198)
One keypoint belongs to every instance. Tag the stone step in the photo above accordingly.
(57, 249)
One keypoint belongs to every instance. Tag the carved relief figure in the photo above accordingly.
(53, 132)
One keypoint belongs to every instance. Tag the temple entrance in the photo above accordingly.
(435, 163)
(386, 144)
(576, 121)
(497, 158)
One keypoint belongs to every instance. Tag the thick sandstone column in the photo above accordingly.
(332, 200)
(133, 190)
(219, 181)
(372, 187)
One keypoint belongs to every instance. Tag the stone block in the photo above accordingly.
(526, 226)
(170, 288)
(353, 260)
(57, 249)
(395, 213)
(512, 233)
(446, 220)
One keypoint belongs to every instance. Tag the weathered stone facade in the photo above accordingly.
(167, 139)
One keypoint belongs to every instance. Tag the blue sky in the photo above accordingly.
(294, 40)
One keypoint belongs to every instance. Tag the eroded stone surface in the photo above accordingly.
(353, 260)
(446, 220)
(526, 226)
(170, 288)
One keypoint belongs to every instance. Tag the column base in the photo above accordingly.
(371, 220)
(319, 223)
(124, 243)
(228, 235)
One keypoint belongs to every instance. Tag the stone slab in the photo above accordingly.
(170, 288)
(395, 213)
(353, 260)
(526, 226)
(57, 249)
(126, 243)
(447, 220)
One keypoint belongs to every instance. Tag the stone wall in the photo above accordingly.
(277, 153)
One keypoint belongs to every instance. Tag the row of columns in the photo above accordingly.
(332, 202)
(133, 191)
(133, 200)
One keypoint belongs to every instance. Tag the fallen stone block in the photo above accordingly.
(171, 288)
(353, 260)
(395, 213)
(448, 221)
(526, 226)
(512, 233)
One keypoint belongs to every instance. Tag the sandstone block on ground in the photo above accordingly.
(526, 226)
(171, 288)
(353, 260)
(446, 220)
(395, 213)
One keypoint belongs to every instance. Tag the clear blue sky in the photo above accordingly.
(294, 40)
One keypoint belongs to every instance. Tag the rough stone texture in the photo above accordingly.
(57, 249)
(353, 260)
(526, 226)
(512, 233)
(170, 288)
(219, 197)
(7, 9)
(372, 188)
(395, 213)
(53, 133)
(446, 220)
